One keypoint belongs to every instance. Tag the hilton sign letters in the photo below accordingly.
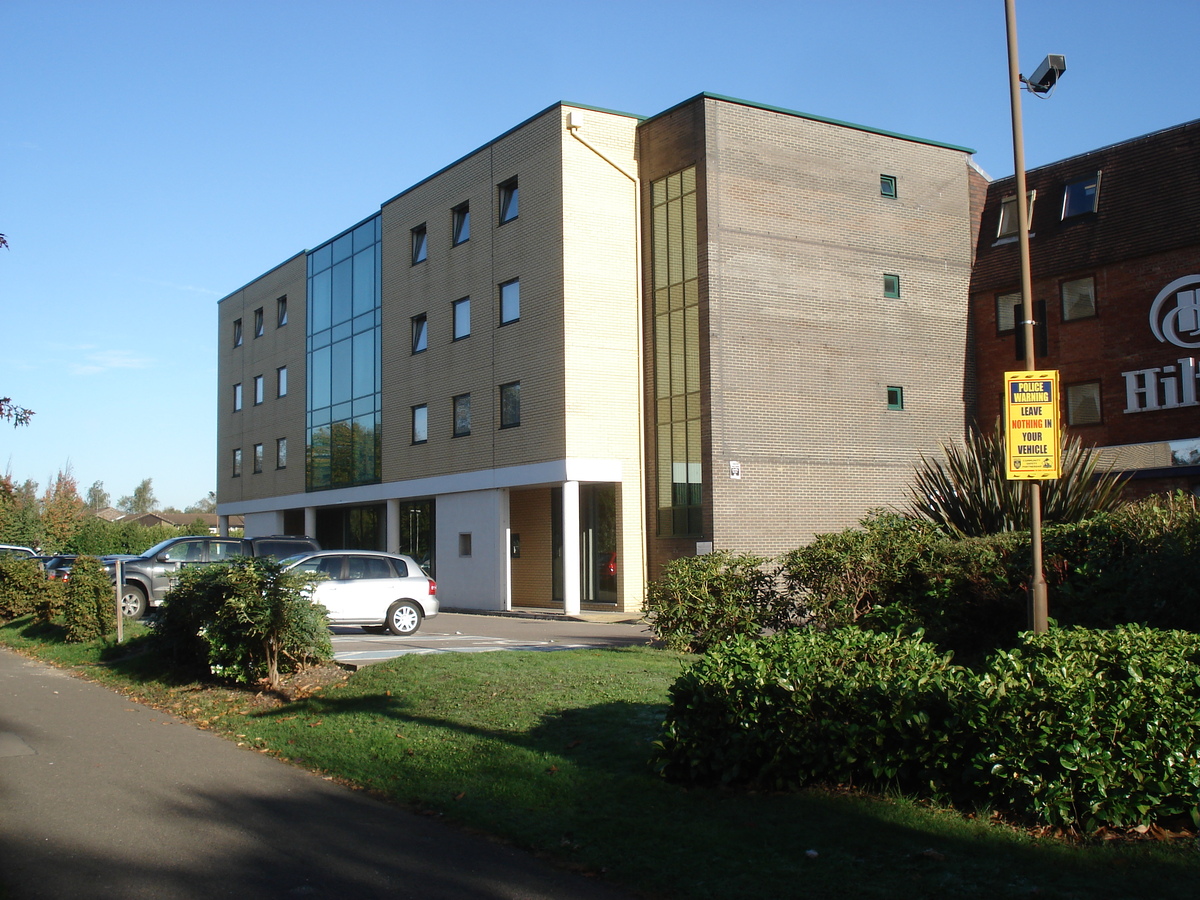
(1174, 319)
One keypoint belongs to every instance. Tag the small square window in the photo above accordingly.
(237, 463)
(237, 397)
(1081, 197)
(1078, 299)
(462, 318)
(461, 223)
(887, 186)
(258, 322)
(420, 333)
(258, 389)
(891, 286)
(281, 312)
(462, 415)
(281, 453)
(258, 458)
(237, 332)
(510, 404)
(420, 244)
(1008, 214)
(510, 301)
(464, 544)
(1006, 311)
(1083, 404)
(420, 424)
(895, 397)
(508, 201)
(281, 381)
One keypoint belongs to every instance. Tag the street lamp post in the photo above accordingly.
(1038, 604)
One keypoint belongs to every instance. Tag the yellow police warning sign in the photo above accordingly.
(1031, 424)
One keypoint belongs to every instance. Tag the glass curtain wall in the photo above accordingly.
(343, 334)
(676, 283)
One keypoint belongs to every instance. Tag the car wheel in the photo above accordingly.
(133, 602)
(403, 617)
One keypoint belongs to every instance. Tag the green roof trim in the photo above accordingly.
(803, 115)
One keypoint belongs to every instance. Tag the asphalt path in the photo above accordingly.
(101, 797)
(479, 633)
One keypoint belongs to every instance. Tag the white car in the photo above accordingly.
(374, 590)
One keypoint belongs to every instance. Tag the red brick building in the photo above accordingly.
(1115, 259)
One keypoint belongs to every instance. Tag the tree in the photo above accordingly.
(20, 518)
(9, 411)
(141, 501)
(18, 415)
(207, 505)
(61, 507)
(97, 497)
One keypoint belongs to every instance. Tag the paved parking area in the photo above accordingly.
(457, 632)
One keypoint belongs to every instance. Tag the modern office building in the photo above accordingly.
(600, 342)
(1115, 256)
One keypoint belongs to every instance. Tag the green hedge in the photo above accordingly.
(967, 595)
(1074, 728)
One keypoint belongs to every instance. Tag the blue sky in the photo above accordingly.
(159, 155)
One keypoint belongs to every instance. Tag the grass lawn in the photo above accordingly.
(549, 751)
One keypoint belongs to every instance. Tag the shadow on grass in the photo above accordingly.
(576, 783)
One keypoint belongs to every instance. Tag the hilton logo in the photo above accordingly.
(1174, 319)
(1175, 313)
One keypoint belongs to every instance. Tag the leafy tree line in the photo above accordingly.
(59, 520)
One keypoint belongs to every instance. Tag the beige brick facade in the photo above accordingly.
(798, 343)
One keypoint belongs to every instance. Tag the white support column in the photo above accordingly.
(310, 521)
(223, 526)
(392, 528)
(570, 538)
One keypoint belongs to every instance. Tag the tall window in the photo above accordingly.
(237, 396)
(281, 453)
(891, 286)
(258, 322)
(342, 442)
(510, 301)
(237, 463)
(258, 458)
(281, 381)
(508, 201)
(462, 415)
(887, 186)
(237, 332)
(676, 286)
(462, 318)
(510, 404)
(420, 244)
(281, 312)
(1081, 197)
(258, 389)
(420, 333)
(460, 223)
(420, 424)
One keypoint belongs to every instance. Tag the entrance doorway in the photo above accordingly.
(597, 543)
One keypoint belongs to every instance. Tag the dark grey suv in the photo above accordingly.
(147, 578)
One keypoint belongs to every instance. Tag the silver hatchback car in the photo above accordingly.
(371, 589)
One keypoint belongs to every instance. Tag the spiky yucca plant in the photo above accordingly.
(969, 494)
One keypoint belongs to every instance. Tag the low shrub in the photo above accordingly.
(89, 607)
(1081, 728)
(21, 583)
(847, 706)
(1075, 728)
(701, 600)
(245, 621)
